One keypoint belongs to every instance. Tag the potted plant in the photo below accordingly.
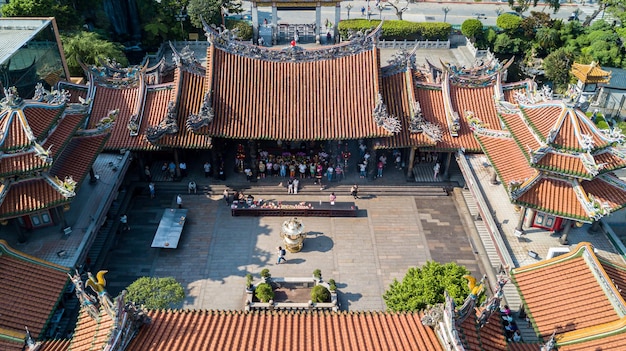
(265, 274)
(319, 293)
(264, 292)
(331, 285)
(317, 274)
(249, 283)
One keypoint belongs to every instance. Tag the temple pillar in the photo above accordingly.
(176, 163)
(567, 225)
(528, 222)
(519, 229)
(274, 24)
(336, 24)
(409, 171)
(596, 227)
(255, 22)
(446, 171)
(318, 22)
(494, 177)
(254, 166)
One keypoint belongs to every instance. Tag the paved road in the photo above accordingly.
(418, 12)
(362, 254)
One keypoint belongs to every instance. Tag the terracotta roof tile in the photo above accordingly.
(62, 133)
(154, 111)
(548, 306)
(30, 290)
(576, 123)
(191, 95)
(30, 195)
(553, 196)
(90, 335)
(55, 345)
(516, 126)
(507, 158)
(478, 100)
(617, 274)
(107, 99)
(563, 163)
(41, 117)
(542, 117)
(610, 160)
(13, 130)
(433, 110)
(224, 330)
(509, 90)
(257, 99)
(78, 157)
(12, 164)
(522, 346)
(488, 338)
(8, 345)
(394, 91)
(610, 343)
(605, 192)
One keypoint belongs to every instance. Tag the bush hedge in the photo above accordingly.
(399, 30)
(319, 293)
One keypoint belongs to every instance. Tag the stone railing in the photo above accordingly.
(475, 51)
(294, 283)
(409, 44)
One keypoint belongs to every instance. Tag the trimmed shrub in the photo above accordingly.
(509, 22)
(265, 273)
(319, 293)
(317, 274)
(399, 30)
(264, 292)
(332, 285)
(472, 28)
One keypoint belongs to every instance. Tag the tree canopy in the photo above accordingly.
(65, 15)
(423, 286)
(521, 6)
(212, 11)
(90, 48)
(155, 293)
(472, 28)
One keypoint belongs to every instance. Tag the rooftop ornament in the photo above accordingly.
(202, 118)
(167, 126)
(11, 98)
(358, 42)
(382, 118)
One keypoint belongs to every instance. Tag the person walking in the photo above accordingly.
(207, 169)
(296, 185)
(329, 173)
(354, 191)
(152, 190)
(290, 186)
(362, 167)
(124, 222)
(147, 173)
(332, 198)
(281, 255)
(192, 187)
(225, 195)
(179, 201)
(381, 165)
(436, 169)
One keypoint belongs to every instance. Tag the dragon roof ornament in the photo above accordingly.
(382, 118)
(590, 164)
(492, 304)
(110, 73)
(400, 62)
(358, 43)
(482, 73)
(204, 117)
(11, 98)
(594, 208)
(186, 59)
(168, 125)
(417, 124)
(53, 97)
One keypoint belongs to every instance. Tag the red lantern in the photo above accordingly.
(293, 43)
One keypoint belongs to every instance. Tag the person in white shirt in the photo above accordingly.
(179, 201)
(183, 169)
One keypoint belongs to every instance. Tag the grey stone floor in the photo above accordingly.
(363, 254)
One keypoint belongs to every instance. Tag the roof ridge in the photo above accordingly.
(6, 249)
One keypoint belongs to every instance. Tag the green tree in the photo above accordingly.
(319, 293)
(90, 48)
(509, 22)
(521, 6)
(155, 293)
(65, 15)
(159, 20)
(505, 44)
(557, 66)
(212, 11)
(472, 28)
(535, 21)
(425, 286)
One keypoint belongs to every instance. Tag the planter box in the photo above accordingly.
(302, 283)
